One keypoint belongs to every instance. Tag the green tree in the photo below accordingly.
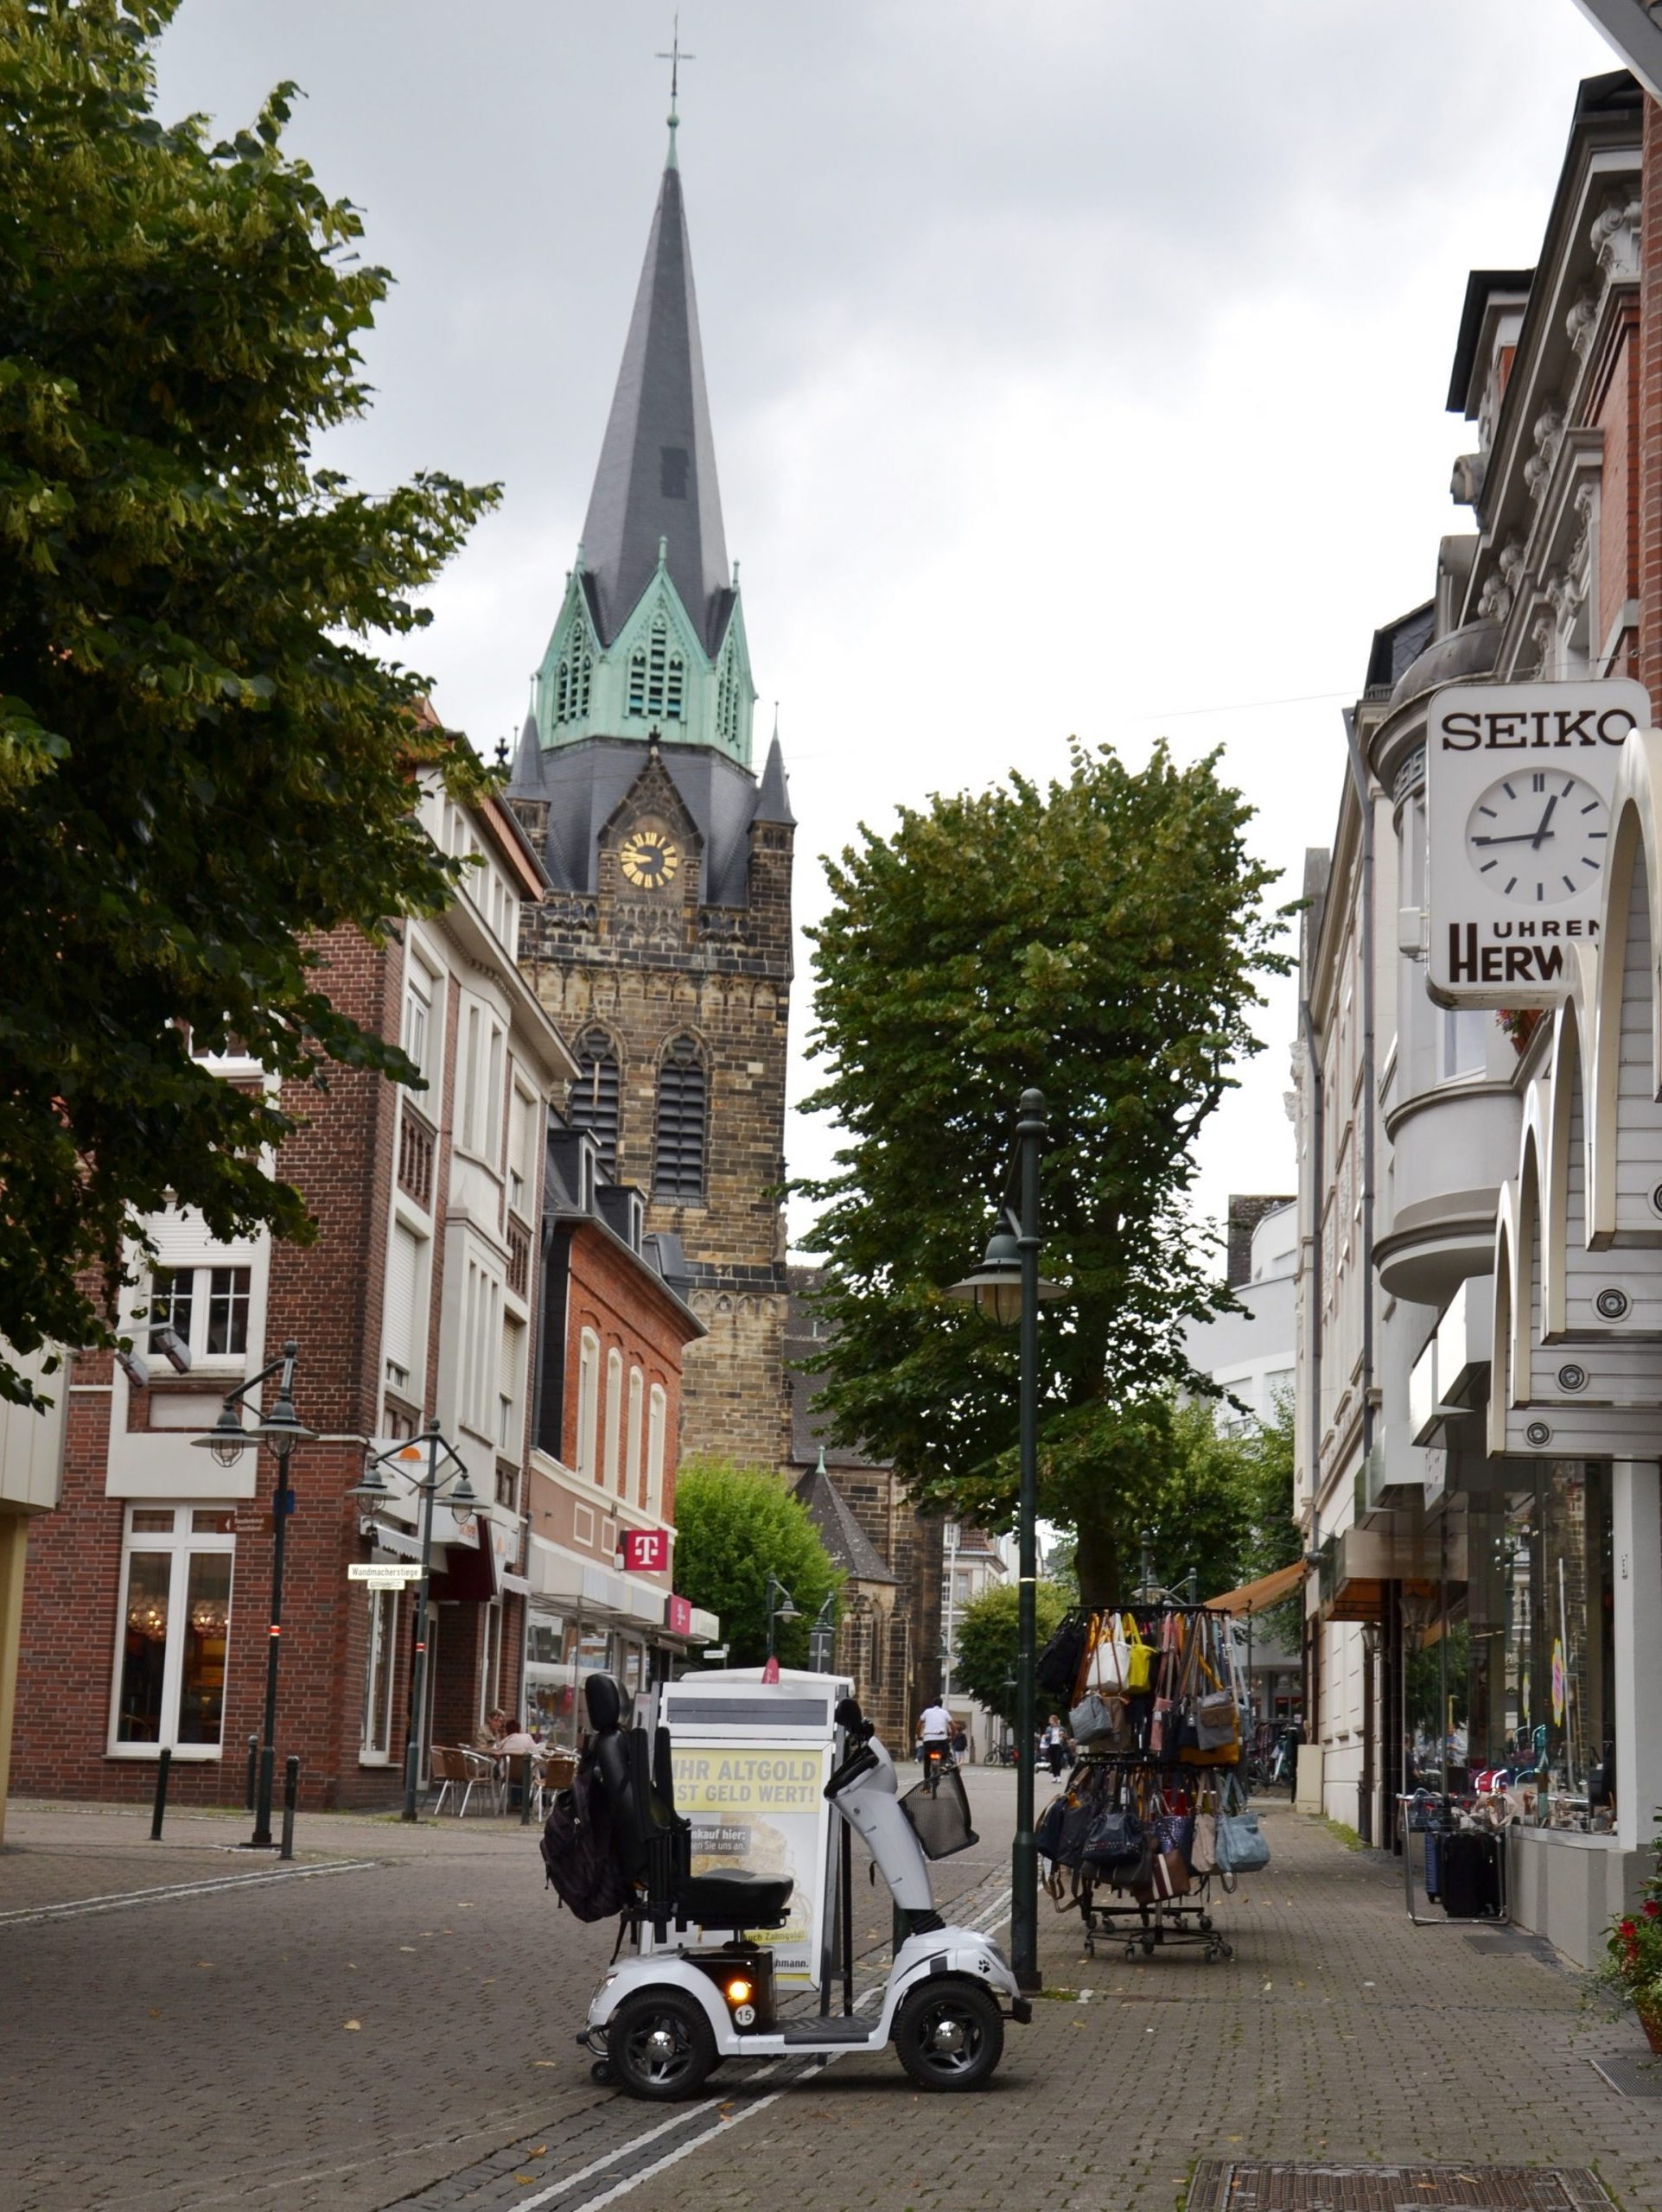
(1102, 937)
(205, 764)
(733, 1528)
(984, 1664)
(1276, 1539)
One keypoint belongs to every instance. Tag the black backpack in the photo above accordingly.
(578, 1850)
(1057, 1668)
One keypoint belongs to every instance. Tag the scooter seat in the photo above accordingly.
(735, 1900)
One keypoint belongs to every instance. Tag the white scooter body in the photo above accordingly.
(871, 1807)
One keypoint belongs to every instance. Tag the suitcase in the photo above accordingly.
(1469, 1877)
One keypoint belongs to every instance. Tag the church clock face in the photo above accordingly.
(1537, 837)
(650, 859)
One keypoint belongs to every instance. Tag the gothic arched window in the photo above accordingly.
(678, 1150)
(595, 1094)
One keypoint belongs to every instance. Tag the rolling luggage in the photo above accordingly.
(1469, 1877)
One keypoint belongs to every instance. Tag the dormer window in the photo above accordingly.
(572, 677)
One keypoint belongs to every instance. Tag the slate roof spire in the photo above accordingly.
(657, 473)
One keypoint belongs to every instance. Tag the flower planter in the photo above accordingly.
(1651, 2023)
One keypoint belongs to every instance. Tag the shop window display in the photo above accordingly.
(1510, 1691)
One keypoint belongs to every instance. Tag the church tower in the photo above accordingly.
(663, 951)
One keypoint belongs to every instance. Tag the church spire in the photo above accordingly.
(657, 474)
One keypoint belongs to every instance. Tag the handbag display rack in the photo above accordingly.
(1155, 1810)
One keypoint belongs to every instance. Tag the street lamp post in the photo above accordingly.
(1007, 1288)
(282, 1428)
(822, 1637)
(780, 1607)
(374, 1490)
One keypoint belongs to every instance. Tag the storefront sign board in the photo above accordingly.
(1519, 782)
(646, 1551)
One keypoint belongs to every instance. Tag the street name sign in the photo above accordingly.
(1519, 782)
(383, 1574)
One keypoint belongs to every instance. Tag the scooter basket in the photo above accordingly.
(941, 1823)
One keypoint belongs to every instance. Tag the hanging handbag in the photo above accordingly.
(1203, 1844)
(1108, 1668)
(1056, 1670)
(1097, 1719)
(1173, 1827)
(1163, 1721)
(1241, 1848)
(1115, 1839)
(1171, 1875)
(1139, 1659)
(1047, 1829)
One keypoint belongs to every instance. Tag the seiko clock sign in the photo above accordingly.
(1519, 779)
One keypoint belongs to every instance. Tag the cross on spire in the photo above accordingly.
(675, 58)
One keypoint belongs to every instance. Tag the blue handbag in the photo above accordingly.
(1241, 1848)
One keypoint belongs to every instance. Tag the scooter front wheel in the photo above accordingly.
(659, 2045)
(949, 2034)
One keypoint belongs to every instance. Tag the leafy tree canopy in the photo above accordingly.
(205, 763)
(984, 1656)
(733, 1528)
(1102, 938)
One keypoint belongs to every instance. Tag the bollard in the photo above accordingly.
(161, 1805)
(253, 1762)
(525, 1790)
(290, 1791)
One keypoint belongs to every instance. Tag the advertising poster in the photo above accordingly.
(758, 1808)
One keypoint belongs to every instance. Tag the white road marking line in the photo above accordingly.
(119, 1899)
(635, 2143)
(723, 2127)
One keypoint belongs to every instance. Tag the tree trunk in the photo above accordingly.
(1096, 1564)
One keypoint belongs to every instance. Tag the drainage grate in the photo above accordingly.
(1531, 1946)
(1633, 2075)
(1225, 2185)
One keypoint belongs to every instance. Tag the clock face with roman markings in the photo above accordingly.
(649, 859)
(1537, 837)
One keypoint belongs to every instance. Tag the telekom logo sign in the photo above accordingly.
(646, 1551)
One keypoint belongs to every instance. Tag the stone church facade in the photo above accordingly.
(663, 950)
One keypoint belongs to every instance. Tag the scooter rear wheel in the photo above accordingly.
(949, 2034)
(659, 2045)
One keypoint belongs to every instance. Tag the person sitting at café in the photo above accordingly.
(490, 1730)
(509, 1751)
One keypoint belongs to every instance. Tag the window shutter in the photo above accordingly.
(594, 1103)
(403, 1283)
(679, 1154)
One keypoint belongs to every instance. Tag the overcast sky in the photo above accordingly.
(1076, 365)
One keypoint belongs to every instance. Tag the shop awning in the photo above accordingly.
(1256, 1597)
(392, 1540)
(516, 1584)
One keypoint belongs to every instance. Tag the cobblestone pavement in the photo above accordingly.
(402, 2034)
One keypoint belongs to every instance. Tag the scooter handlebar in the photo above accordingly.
(863, 1761)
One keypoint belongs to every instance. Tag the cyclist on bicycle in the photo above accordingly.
(935, 1732)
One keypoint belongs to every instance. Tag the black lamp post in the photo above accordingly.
(375, 1490)
(282, 1428)
(822, 1637)
(1007, 1286)
(781, 1606)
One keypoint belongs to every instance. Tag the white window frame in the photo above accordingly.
(588, 1406)
(380, 1672)
(490, 1674)
(617, 1476)
(419, 1034)
(472, 1076)
(203, 1272)
(634, 1474)
(657, 1415)
(182, 1544)
(522, 1158)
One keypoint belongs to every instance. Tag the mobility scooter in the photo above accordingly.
(661, 2020)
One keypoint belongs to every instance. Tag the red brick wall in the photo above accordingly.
(614, 1296)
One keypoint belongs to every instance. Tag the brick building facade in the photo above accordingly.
(146, 1619)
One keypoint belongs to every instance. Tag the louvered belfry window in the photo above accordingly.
(595, 1094)
(679, 1154)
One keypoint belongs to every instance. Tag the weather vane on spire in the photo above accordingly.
(675, 58)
